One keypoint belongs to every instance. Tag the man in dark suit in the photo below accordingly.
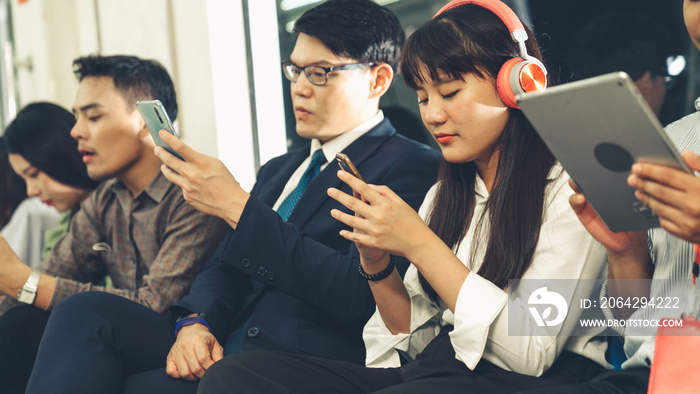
(282, 278)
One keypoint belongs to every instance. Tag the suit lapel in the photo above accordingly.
(274, 185)
(359, 151)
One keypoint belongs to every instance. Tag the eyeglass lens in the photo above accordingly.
(315, 74)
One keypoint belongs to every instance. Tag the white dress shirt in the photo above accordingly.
(565, 250)
(330, 148)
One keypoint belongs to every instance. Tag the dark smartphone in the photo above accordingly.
(345, 163)
(156, 118)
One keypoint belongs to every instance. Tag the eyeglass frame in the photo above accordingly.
(351, 66)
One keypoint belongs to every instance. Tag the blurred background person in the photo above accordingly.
(625, 41)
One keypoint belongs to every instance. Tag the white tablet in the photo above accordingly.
(597, 128)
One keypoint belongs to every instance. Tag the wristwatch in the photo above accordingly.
(27, 293)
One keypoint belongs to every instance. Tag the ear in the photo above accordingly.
(143, 130)
(381, 76)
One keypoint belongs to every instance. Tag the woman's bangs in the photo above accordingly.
(436, 50)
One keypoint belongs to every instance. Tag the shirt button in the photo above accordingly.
(245, 263)
(253, 332)
(262, 271)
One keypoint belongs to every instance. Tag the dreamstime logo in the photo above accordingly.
(543, 297)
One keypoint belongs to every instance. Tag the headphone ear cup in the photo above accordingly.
(520, 76)
(503, 82)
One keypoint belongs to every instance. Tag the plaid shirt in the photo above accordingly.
(152, 246)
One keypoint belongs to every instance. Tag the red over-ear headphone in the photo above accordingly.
(517, 75)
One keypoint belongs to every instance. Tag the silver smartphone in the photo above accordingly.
(156, 119)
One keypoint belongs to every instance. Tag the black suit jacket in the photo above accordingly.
(297, 281)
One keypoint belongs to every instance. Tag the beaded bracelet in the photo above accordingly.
(379, 275)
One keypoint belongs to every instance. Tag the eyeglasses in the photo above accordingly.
(317, 75)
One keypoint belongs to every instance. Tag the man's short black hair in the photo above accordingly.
(358, 29)
(135, 78)
(630, 42)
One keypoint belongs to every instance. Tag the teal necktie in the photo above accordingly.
(317, 160)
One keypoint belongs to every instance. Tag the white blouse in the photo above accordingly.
(565, 251)
(25, 231)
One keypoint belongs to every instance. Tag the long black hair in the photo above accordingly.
(12, 186)
(472, 40)
(40, 133)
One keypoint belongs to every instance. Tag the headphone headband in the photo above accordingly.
(503, 12)
(517, 75)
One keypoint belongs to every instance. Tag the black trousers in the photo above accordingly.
(97, 342)
(435, 370)
(21, 329)
(628, 381)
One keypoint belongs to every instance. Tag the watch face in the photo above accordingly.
(26, 297)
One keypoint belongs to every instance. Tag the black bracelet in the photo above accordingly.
(379, 275)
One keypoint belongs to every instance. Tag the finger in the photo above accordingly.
(692, 160)
(661, 192)
(586, 214)
(168, 159)
(387, 192)
(350, 202)
(689, 234)
(178, 146)
(183, 368)
(193, 363)
(681, 227)
(171, 368)
(663, 211)
(360, 238)
(578, 203)
(217, 353)
(173, 176)
(574, 186)
(647, 172)
(672, 228)
(359, 186)
(204, 360)
(356, 222)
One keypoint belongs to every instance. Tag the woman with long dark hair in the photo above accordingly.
(499, 212)
(42, 152)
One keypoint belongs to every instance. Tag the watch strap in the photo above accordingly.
(184, 321)
(27, 294)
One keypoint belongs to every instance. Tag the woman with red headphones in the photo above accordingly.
(500, 211)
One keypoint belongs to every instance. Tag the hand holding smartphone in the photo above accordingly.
(156, 118)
